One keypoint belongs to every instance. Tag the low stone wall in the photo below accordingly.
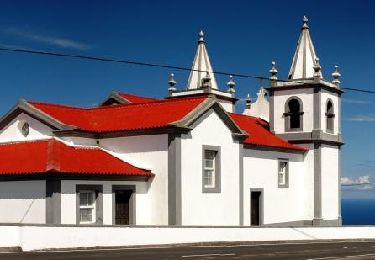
(38, 237)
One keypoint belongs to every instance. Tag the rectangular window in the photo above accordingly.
(283, 174)
(89, 204)
(87, 207)
(211, 169)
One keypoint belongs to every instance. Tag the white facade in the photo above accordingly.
(217, 208)
(150, 152)
(280, 205)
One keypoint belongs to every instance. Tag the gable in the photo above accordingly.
(12, 131)
(23, 106)
(211, 128)
(198, 115)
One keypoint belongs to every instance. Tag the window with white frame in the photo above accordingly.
(209, 169)
(211, 176)
(283, 174)
(87, 206)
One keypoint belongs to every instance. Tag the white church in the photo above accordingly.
(188, 159)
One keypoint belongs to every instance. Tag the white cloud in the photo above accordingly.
(56, 41)
(362, 118)
(361, 180)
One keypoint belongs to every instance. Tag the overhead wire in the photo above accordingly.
(148, 64)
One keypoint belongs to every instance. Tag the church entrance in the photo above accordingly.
(122, 208)
(255, 214)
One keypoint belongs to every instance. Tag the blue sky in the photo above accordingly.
(242, 37)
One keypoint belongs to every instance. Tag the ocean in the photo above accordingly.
(358, 211)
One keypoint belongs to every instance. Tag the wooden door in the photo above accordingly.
(255, 208)
(122, 209)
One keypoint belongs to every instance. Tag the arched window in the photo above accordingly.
(330, 116)
(293, 114)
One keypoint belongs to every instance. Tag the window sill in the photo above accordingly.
(211, 190)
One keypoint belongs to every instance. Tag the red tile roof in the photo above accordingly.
(259, 134)
(51, 156)
(134, 99)
(157, 114)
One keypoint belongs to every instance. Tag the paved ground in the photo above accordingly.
(298, 250)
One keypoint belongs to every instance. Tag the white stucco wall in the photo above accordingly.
(47, 237)
(150, 152)
(200, 208)
(12, 132)
(23, 202)
(69, 200)
(308, 182)
(330, 182)
(279, 204)
(280, 98)
(335, 100)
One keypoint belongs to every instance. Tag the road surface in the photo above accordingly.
(323, 250)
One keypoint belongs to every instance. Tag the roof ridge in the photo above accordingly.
(247, 116)
(54, 104)
(177, 99)
(134, 95)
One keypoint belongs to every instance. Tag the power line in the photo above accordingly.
(132, 62)
(102, 59)
(360, 90)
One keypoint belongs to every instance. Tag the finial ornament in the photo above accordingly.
(248, 101)
(273, 71)
(231, 84)
(172, 83)
(201, 37)
(206, 81)
(317, 69)
(336, 76)
(305, 20)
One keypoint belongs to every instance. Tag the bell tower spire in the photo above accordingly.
(305, 56)
(202, 80)
(201, 67)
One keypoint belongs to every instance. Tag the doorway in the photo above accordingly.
(122, 209)
(123, 205)
(256, 207)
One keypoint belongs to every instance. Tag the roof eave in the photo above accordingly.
(23, 105)
(274, 148)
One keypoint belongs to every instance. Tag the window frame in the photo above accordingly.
(330, 116)
(287, 115)
(216, 169)
(286, 173)
(98, 191)
(92, 206)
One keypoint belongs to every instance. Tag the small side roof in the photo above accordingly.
(52, 156)
(259, 134)
(126, 98)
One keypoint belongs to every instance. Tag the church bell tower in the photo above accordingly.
(305, 109)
